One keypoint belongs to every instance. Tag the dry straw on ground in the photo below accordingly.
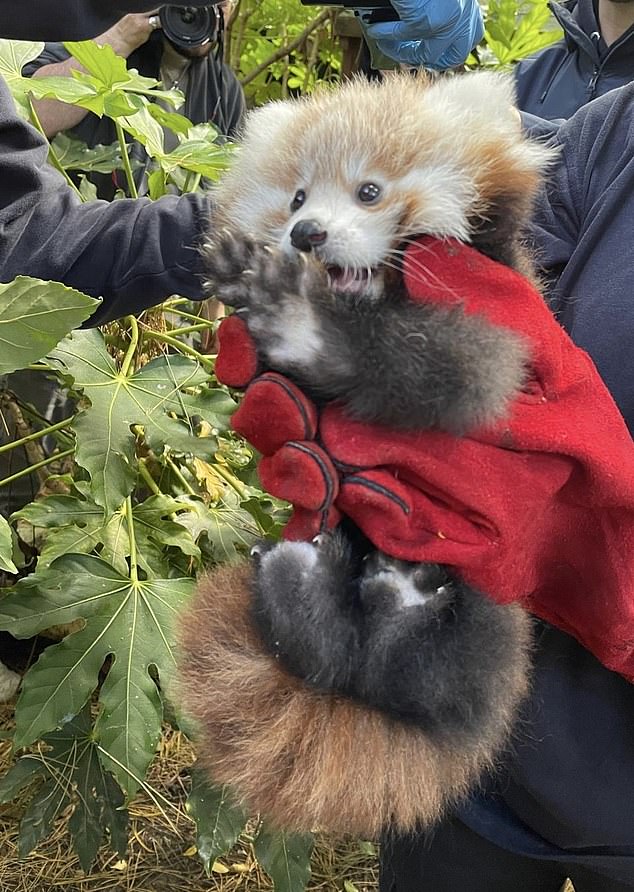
(162, 855)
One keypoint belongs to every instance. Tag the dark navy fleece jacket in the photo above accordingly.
(132, 253)
(558, 80)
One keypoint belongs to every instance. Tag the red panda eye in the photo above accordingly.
(298, 200)
(368, 192)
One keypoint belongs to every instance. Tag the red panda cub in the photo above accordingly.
(334, 686)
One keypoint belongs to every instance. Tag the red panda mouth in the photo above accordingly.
(349, 280)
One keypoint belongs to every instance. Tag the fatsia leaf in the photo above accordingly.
(6, 548)
(150, 399)
(172, 120)
(219, 820)
(101, 61)
(73, 154)
(228, 528)
(76, 90)
(206, 158)
(68, 770)
(34, 316)
(146, 130)
(80, 527)
(285, 857)
(14, 55)
(131, 621)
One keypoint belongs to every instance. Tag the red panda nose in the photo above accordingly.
(306, 234)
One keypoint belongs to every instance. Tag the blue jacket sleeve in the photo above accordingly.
(132, 253)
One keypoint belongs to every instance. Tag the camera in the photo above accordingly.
(190, 26)
(372, 10)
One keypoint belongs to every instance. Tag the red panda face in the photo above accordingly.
(352, 175)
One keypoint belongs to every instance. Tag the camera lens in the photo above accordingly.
(189, 26)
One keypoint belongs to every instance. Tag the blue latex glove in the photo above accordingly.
(436, 34)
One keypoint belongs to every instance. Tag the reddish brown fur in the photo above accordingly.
(309, 760)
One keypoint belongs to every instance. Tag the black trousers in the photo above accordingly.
(455, 859)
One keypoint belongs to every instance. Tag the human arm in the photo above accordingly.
(132, 253)
(124, 37)
(437, 34)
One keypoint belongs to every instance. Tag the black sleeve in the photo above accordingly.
(235, 103)
(67, 19)
(133, 253)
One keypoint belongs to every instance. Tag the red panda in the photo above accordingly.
(334, 686)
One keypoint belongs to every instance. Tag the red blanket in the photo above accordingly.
(538, 509)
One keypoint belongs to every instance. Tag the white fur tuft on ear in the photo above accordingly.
(492, 92)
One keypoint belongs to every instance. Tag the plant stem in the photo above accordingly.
(36, 435)
(134, 567)
(47, 461)
(125, 159)
(149, 481)
(57, 164)
(200, 326)
(233, 481)
(176, 472)
(179, 345)
(176, 312)
(134, 343)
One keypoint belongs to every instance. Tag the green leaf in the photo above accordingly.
(99, 805)
(34, 316)
(37, 821)
(76, 90)
(131, 621)
(206, 158)
(73, 154)
(172, 120)
(146, 130)
(101, 62)
(285, 857)
(513, 32)
(149, 398)
(70, 525)
(69, 772)
(157, 184)
(6, 547)
(14, 55)
(87, 190)
(219, 820)
(230, 530)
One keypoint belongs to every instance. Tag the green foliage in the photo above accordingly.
(163, 398)
(6, 548)
(66, 770)
(34, 315)
(285, 857)
(281, 48)
(515, 30)
(219, 821)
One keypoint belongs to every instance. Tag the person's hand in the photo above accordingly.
(437, 34)
(130, 32)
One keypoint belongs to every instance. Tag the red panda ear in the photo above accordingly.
(267, 123)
